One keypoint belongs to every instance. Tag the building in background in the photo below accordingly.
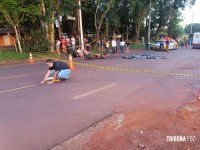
(7, 38)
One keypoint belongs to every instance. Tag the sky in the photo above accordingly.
(193, 11)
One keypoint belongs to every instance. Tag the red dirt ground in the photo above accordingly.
(149, 130)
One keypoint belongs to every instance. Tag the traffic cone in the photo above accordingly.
(70, 63)
(198, 97)
(31, 61)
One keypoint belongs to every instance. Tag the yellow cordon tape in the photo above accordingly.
(135, 70)
(132, 70)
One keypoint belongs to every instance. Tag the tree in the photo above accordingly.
(14, 12)
(164, 11)
(195, 28)
(101, 10)
(63, 9)
(140, 11)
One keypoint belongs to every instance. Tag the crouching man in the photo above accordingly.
(58, 69)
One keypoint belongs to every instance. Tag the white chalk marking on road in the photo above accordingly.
(12, 77)
(15, 89)
(94, 91)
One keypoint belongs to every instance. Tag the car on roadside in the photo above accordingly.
(173, 45)
(156, 45)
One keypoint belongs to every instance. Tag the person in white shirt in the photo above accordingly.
(122, 44)
(73, 42)
(142, 40)
(114, 45)
(58, 46)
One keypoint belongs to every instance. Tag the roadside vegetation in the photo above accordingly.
(37, 25)
(11, 55)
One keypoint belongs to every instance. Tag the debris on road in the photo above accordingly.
(143, 56)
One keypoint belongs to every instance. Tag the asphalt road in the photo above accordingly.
(37, 117)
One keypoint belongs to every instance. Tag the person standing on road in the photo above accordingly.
(147, 44)
(64, 43)
(186, 43)
(161, 43)
(58, 69)
(58, 46)
(73, 42)
(128, 46)
(114, 45)
(142, 40)
(68, 45)
(182, 43)
(107, 45)
(167, 45)
(122, 43)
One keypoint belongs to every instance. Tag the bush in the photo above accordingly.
(38, 42)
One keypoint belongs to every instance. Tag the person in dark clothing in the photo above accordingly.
(147, 44)
(58, 69)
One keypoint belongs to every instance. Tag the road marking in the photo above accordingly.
(15, 89)
(12, 77)
(95, 91)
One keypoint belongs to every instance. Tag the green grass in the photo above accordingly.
(137, 46)
(12, 55)
(94, 51)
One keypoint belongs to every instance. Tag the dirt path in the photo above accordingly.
(148, 130)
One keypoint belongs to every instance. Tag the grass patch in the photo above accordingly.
(94, 51)
(137, 46)
(12, 55)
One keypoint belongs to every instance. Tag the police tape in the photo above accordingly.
(129, 70)
(136, 70)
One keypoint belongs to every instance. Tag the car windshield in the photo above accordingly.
(172, 41)
(157, 42)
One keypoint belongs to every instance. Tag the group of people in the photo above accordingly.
(61, 70)
(118, 46)
(184, 42)
(65, 44)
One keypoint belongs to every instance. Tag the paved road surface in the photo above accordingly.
(37, 117)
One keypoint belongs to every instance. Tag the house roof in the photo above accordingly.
(7, 30)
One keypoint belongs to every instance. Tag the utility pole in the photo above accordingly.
(149, 24)
(191, 24)
(80, 25)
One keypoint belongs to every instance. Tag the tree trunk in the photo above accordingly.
(107, 28)
(97, 35)
(138, 26)
(51, 33)
(98, 26)
(17, 39)
(127, 32)
(44, 24)
(158, 32)
(137, 32)
(59, 26)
